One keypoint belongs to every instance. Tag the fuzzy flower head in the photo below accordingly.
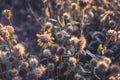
(13, 72)
(19, 50)
(107, 60)
(48, 25)
(33, 62)
(39, 71)
(7, 14)
(6, 32)
(50, 66)
(112, 78)
(102, 67)
(74, 6)
(111, 35)
(78, 43)
(73, 61)
(46, 53)
(45, 39)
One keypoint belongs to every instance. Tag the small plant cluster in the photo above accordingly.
(78, 40)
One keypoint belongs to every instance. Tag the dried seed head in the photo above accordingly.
(111, 35)
(19, 50)
(14, 41)
(56, 58)
(74, 41)
(17, 78)
(7, 14)
(112, 78)
(60, 36)
(61, 51)
(13, 72)
(74, 6)
(82, 43)
(114, 69)
(33, 62)
(48, 25)
(118, 76)
(72, 61)
(39, 71)
(24, 65)
(47, 53)
(10, 29)
(4, 34)
(66, 16)
(107, 60)
(11, 59)
(70, 29)
(94, 62)
(59, 6)
(50, 66)
(102, 67)
(54, 47)
(78, 77)
(112, 23)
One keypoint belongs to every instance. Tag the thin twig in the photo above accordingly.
(32, 12)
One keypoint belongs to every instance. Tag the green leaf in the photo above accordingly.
(100, 49)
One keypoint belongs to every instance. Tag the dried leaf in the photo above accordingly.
(62, 24)
(47, 12)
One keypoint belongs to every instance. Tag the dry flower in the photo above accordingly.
(11, 59)
(107, 60)
(60, 36)
(66, 16)
(19, 50)
(56, 58)
(74, 6)
(77, 76)
(82, 43)
(111, 35)
(10, 29)
(13, 72)
(7, 14)
(59, 5)
(54, 47)
(94, 62)
(112, 78)
(73, 61)
(47, 53)
(102, 67)
(33, 62)
(4, 34)
(39, 71)
(48, 26)
(50, 66)
(61, 51)
(74, 40)
(114, 69)
(24, 65)
(118, 76)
